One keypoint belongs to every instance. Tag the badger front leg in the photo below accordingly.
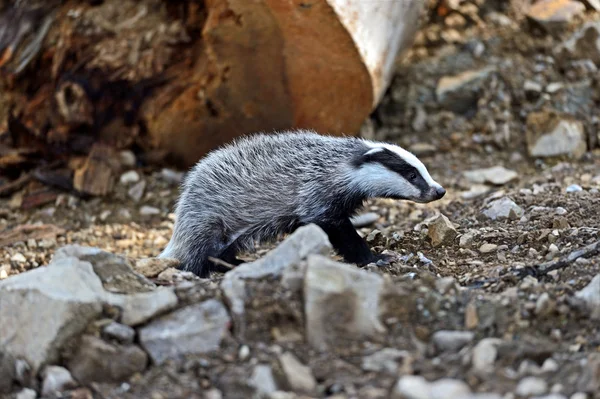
(348, 244)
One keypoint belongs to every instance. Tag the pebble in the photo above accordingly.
(484, 354)
(119, 332)
(412, 387)
(503, 208)
(552, 14)
(591, 295)
(127, 158)
(137, 191)
(172, 176)
(497, 175)
(574, 188)
(26, 393)
(56, 380)
(299, 376)
(448, 388)
(451, 341)
(530, 386)
(386, 360)
(129, 177)
(466, 240)
(488, 248)
(441, 231)
(18, 258)
(152, 267)
(149, 211)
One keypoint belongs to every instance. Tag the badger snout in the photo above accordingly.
(439, 192)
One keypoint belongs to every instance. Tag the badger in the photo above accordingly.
(265, 185)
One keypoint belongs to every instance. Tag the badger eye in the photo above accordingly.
(412, 176)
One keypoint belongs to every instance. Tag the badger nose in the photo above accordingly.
(440, 192)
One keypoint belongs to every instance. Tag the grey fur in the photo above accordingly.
(260, 187)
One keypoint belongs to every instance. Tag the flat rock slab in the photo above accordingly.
(497, 175)
(192, 330)
(42, 309)
(341, 301)
(115, 272)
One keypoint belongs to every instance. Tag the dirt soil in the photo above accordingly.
(490, 132)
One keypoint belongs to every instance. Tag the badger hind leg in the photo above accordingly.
(347, 243)
(228, 256)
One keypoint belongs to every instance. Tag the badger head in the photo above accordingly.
(388, 171)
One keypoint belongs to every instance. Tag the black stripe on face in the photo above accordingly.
(395, 163)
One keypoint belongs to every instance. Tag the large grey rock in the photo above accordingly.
(497, 175)
(306, 240)
(99, 361)
(591, 295)
(583, 44)
(192, 330)
(42, 309)
(503, 208)
(340, 301)
(550, 134)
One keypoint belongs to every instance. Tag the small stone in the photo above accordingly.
(421, 149)
(244, 352)
(484, 355)
(553, 14)
(445, 284)
(591, 295)
(119, 332)
(171, 176)
(387, 360)
(550, 365)
(18, 258)
(98, 361)
(104, 215)
(497, 175)
(56, 380)
(579, 395)
(136, 192)
(451, 341)
(574, 188)
(471, 316)
(460, 92)
(127, 159)
(532, 87)
(487, 248)
(129, 177)
(441, 231)
(528, 282)
(583, 44)
(152, 267)
(26, 393)
(412, 387)
(503, 208)
(554, 87)
(550, 134)
(192, 330)
(149, 211)
(366, 219)
(448, 388)
(262, 380)
(298, 375)
(530, 386)
(466, 240)
(543, 305)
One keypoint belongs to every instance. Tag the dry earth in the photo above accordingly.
(482, 279)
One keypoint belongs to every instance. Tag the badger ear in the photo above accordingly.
(368, 156)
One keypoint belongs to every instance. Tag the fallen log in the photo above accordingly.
(182, 77)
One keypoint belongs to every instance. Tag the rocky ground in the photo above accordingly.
(495, 292)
